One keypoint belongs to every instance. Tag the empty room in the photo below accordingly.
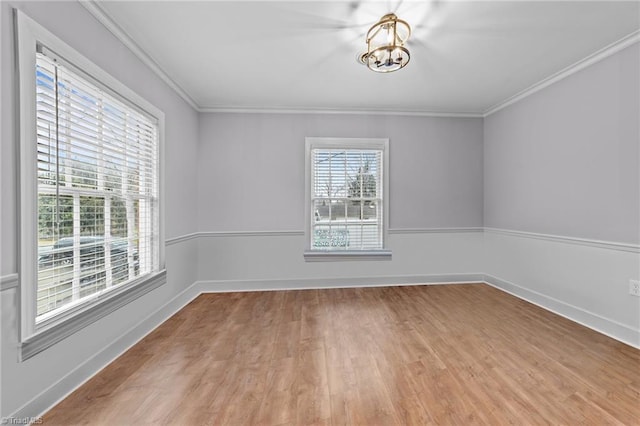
(320, 212)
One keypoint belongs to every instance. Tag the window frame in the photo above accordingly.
(314, 255)
(37, 337)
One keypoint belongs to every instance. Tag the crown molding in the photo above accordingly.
(110, 24)
(597, 56)
(264, 110)
(105, 19)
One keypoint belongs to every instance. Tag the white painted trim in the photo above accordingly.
(68, 323)
(611, 245)
(110, 24)
(9, 281)
(121, 34)
(49, 397)
(181, 238)
(249, 233)
(107, 20)
(207, 234)
(30, 33)
(434, 230)
(341, 143)
(606, 326)
(58, 391)
(293, 233)
(162, 201)
(597, 56)
(226, 286)
(346, 111)
(27, 37)
(301, 232)
(345, 255)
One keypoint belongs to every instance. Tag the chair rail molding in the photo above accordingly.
(9, 281)
(611, 245)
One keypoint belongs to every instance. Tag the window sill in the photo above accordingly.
(90, 313)
(333, 256)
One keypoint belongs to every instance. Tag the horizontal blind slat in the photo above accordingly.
(96, 156)
(346, 199)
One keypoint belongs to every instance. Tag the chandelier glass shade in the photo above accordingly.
(386, 51)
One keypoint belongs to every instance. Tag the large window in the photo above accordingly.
(346, 199)
(97, 187)
(90, 156)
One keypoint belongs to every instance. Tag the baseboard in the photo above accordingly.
(581, 316)
(76, 378)
(55, 393)
(221, 286)
(608, 327)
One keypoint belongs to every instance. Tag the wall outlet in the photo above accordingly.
(634, 287)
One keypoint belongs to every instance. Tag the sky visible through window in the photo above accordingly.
(80, 151)
(338, 173)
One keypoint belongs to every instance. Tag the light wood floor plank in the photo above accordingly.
(414, 355)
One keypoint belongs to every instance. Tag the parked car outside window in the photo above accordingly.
(92, 257)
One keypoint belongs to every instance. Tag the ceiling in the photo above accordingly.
(466, 57)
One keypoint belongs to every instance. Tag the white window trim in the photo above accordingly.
(346, 143)
(35, 339)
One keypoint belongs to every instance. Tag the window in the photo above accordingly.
(346, 198)
(90, 183)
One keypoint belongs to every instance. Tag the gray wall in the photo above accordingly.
(251, 168)
(73, 24)
(22, 382)
(565, 160)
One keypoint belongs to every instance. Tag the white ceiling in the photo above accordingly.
(466, 57)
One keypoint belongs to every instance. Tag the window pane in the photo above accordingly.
(118, 218)
(55, 254)
(54, 287)
(362, 174)
(91, 216)
(328, 237)
(47, 220)
(326, 210)
(97, 184)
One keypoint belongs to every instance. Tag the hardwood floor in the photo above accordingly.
(450, 354)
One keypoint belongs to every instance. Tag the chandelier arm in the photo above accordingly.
(377, 27)
(407, 26)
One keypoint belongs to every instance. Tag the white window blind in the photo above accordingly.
(347, 199)
(97, 188)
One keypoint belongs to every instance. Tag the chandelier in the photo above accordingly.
(385, 45)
